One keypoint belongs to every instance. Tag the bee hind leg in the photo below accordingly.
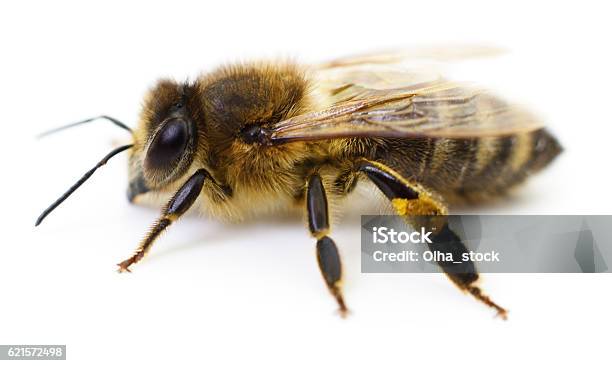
(463, 275)
(422, 208)
(182, 200)
(328, 257)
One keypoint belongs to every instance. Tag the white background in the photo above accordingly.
(212, 293)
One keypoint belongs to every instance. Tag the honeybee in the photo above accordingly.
(257, 137)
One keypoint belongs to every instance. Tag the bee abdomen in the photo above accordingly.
(472, 169)
(503, 162)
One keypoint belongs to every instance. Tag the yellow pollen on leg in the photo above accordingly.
(417, 207)
(400, 205)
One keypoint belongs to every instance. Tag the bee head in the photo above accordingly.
(164, 142)
(166, 138)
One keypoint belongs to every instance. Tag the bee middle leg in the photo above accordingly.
(422, 207)
(328, 257)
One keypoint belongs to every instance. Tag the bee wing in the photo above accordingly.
(390, 95)
(400, 69)
(439, 53)
(435, 108)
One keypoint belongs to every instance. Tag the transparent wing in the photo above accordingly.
(387, 100)
(399, 69)
(437, 53)
(436, 110)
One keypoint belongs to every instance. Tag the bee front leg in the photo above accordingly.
(421, 207)
(182, 200)
(327, 252)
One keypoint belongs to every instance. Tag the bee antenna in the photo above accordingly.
(58, 129)
(83, 179)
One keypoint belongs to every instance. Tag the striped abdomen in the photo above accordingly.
(476, 168)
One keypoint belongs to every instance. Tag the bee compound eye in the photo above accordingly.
(168, 145)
